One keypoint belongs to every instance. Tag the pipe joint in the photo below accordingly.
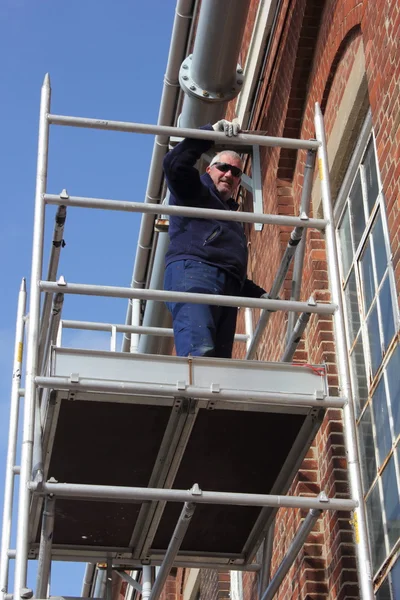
(195, 90)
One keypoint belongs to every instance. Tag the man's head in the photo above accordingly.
(220, 171)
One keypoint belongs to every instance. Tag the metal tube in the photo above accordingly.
(161, 331)
(146, 582)
(300, 252)
(291, 554)
(37, 454)
(186, 211)
(214, 64)
(155, 313)
(276, 286)
(135, 323)
(21, 563)
(129, 580)
(173, 549)
(267, 552)
(50, 335)
(88, 580)
(51, 327)
(46, 541)
(295, 337)
(243, 139)
(212, 68)
(121, 292)
(191, 391)
(248, 323)
(126, 494)
(109, 579)
(359, 519)
(124, 562)
(12, 439)
(100, 583)
(57, 244)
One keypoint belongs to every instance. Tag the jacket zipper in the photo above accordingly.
(212, 236)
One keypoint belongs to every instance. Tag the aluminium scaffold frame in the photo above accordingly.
(39, 341)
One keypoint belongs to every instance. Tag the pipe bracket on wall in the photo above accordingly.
(190, 87)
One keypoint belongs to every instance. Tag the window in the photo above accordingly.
(372, 325)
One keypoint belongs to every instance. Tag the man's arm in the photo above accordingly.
(183, 178)
(251, 289)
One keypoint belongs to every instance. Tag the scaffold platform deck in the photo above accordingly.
(119, 419)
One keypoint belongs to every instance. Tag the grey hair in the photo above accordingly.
(231, 153)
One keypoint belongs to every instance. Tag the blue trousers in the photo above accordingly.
(199, 329)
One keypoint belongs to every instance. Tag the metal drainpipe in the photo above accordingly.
(209, 77)
(171, 89)
(88, 580)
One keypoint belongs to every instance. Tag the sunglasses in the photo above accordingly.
(225, 167)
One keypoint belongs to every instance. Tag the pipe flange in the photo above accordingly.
(191, 88)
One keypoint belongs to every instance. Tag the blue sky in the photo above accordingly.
(107, 60)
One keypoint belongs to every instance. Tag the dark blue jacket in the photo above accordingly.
(219, 243)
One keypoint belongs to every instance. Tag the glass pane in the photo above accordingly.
(367, 450)
(375, 528)
(367, 276)
(357, 210)
(353, 312)
(385, 301)
(392, 502)
(359, 380)
(393, 371)
(345, 243)
(374, 340)
(371, 175)
(381, 258)
(381, 420)
(395, 579)
(384, 592)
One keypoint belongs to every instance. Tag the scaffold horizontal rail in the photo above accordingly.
(185, 211)
(195, 495)
(121, 561)
(163, 296)
(190, 391)
(243, 139)
(160, 331)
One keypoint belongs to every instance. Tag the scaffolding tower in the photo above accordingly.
(194, 498)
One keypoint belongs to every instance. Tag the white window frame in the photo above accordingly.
(380, 375)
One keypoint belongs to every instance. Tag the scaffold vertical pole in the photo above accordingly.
(109, 582)
(353, 460)
(12, 440)
(134, 346)
(267, 551)
(300, 252)
(291, 554)
(146, 582)
(248, 322)
(21, 559)
(46, 542)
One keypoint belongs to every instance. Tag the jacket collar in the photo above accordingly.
(206, 179)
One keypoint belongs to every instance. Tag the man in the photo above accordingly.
(206, 256)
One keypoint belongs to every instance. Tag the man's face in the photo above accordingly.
(226, 183)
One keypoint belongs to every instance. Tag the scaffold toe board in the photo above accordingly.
(105, 433)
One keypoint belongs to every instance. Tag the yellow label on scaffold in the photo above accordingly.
(354, 522)
(20, 351)
(321, 169)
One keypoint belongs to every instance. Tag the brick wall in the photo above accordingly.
(333, 31)
(311, 57)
